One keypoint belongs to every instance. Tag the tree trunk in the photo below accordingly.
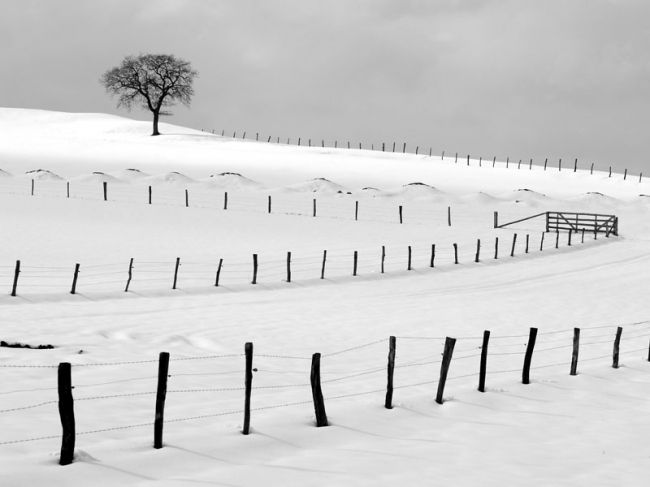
(156, 114)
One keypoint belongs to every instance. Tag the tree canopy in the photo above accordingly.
(152, 81)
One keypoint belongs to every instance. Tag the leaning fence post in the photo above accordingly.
(444, 367)
(128, 281)
(478, 250)
(574, 354)
(525, 376)
(288, 266)
(66, 413)
(216, 279)
(322, 269)
(105, 185)
(248, 385)
(541, 243)
(161, 394)
(455, 253)
(16, 273)
(73, 290)
(514, 242)
(617, 344)
(178, 263)
(316, 391)
(484, 354)
(356, 258)
(254, 269)
(391, 369)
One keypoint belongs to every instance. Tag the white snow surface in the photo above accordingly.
(590, 429)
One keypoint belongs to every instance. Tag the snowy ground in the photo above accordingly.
(559, 430)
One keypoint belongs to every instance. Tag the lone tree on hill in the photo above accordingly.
(153, 80)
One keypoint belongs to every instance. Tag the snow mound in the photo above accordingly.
(419, 190)
(4, 174)
(173, 177)
(131, 174)
(480, 198)
(96, 177)
(232, 180)
(594, 197)
(525, 195)
(318, 185)
(43, 175)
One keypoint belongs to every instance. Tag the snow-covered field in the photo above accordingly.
(559, 430)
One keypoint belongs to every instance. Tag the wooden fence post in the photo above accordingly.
(32, 187)
(66, 413)
(403, 148)
(356, 258)
(314, 208)
(388, 404)
(356, 210)
(559, 164)
(433, 255)
(178, 263)
(478, 250)
(591, 171)
(408, 267)
(248, 385)
(67, 188)
(507, 162)
(400, 214)
(557, 239)
(569, 238)
(105, 185)
(254, 269)
(444, 367)
(494, 161)
(269, 204)
(449, 216)
(161, 394)
(530, 165)
(582, 237)
(16, 273)
(187, 199)
(525, 376)
(455, 253)
(128, 281)
(383, 146)
(617, 344)
(383, 257)
(496, 247)
(625, 175)
(468, 159)
(442, 156)
(496, 219)
(574, 354)
(216, 279)
(545, 163)
(149, 194)
(288, 266)
(456, 158)
(393, 146)
(322, 269)
(514, 243)
(575, 165)
(541, 243)
(527, 242)
(610, 171)
(484, 354)
(519, 164)
(316, 391)
(73, 290)
(225, 200)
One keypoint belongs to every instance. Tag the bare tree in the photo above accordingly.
(154, 81)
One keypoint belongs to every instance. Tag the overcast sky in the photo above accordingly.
(518, 78)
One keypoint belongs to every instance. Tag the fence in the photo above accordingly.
(395, 147)
(571, 222)
(155, 275)
(331, 378)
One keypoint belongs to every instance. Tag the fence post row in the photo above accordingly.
(161, 394)
(66, 413)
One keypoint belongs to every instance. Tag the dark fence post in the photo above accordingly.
(525, 377)
(32, 187)
(67, 188)
(591, 171)
(322, 269)
(66, 413)
(216, 279)
(248, 385)
(254, 269)
(314, 210)
(617, 344)
(455, 253)
(400, 214)
(391, 369)
(484, 354)
(557, 239)
(541, 243)
(161, 394)
(444, 367)
(514, 243)
(288, 266)
(269, 204)
(574, 354)
(149, 194)
(105, 185)
(625, 175)
(527, 242)
(187, 198)
(225, 200)
(316, 391)
(478, 250)
(545, 163)
(16, 273)
(178, 263)
(569, 238)
(496, 247)
(496, 219)
(575, 165)
(408, 266)
(449, 216)
(128, 281)
(356, 259)
(433, 255)
(73, 290)
(383, 257)
(356, 210)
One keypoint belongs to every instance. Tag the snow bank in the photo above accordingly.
(232, 180)
(43, 175)
(318, 185)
